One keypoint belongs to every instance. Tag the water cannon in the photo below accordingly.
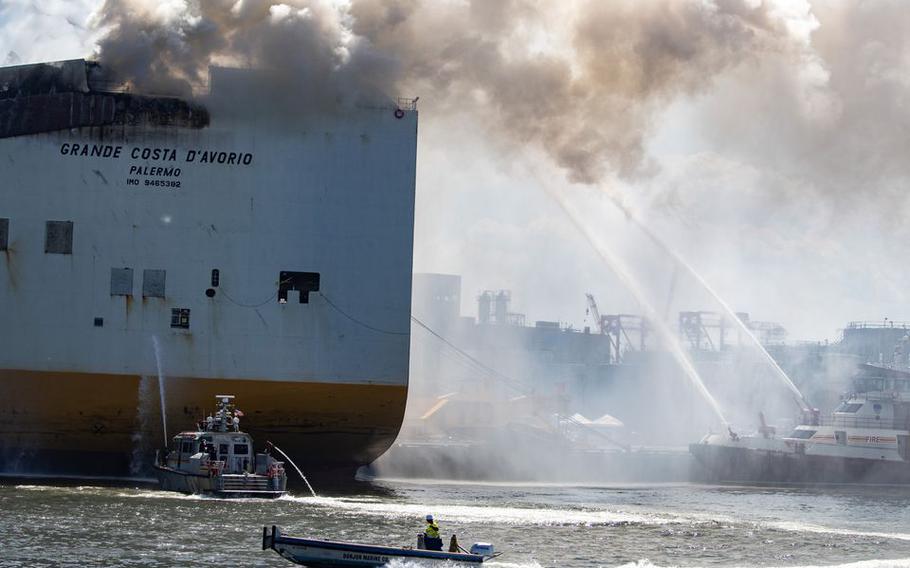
(764, 429)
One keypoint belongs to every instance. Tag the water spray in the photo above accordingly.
(157, 347)
(300, 473)
(663, 330)
(680, 261)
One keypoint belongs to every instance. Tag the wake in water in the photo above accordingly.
(568, 528)
(500, 515)
(883, 563)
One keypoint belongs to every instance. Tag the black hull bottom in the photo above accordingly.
(744, 465)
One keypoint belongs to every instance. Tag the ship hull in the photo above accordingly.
(747, 465)
(229, 243)
(78, 424)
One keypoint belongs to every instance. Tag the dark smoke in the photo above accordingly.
(581, 80)
(302, 47)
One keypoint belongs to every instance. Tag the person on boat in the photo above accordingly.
(431, 538)
(453, 544)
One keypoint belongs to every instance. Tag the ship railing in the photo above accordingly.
(887, 395)
(880, 324)
(871, 423)
(405, 103)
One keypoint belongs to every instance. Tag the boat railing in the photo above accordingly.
(878, 324)
(871, 423)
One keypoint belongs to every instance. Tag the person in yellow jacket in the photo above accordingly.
(431, 539)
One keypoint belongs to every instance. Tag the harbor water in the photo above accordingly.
(539, 525)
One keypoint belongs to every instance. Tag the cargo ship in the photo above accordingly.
(156, 251)
(865, 440)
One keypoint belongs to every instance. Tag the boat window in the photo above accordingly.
(241, 449)
(187, 447)
(222, 449)
(803, 434)
(4, 234)
(849, 407)
(58, 237)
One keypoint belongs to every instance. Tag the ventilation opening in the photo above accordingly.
(121, 281)
(153, 282)
(302, 282)
(58, 237)
(4, 234)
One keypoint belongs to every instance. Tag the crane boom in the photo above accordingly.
(592, 306)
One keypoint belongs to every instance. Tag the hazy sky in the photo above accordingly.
(767, 143)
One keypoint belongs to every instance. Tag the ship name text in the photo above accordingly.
(147, 164)
(199, 156)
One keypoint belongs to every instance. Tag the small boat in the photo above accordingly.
(215, 459)
(326, 553)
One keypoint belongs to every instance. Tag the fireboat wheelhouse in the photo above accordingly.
(217, 459)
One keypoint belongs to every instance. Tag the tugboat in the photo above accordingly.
(216, 459)
(866, 440)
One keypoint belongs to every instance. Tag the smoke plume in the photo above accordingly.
(581, 80)
(304, 47)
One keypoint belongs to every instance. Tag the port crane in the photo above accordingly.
(595, 313)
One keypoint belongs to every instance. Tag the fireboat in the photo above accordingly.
(216, 459)
(865, 440)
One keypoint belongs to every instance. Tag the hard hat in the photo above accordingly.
(429, 518)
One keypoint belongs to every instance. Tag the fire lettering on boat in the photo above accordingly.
(872, 439)
(369, 557)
